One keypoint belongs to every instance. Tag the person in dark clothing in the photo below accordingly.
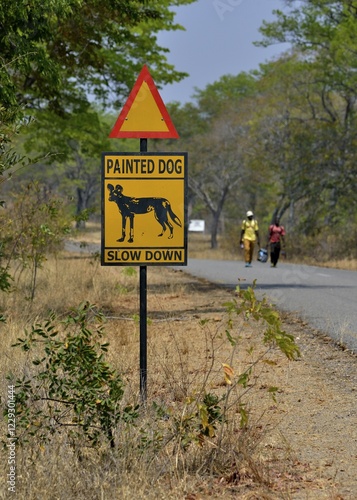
(276, 241)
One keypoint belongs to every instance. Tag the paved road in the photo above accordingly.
(325, 298)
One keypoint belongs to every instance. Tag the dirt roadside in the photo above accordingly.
(313, 427)
(320, 405)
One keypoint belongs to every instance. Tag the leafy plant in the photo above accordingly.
(74, 389)
(204, 416)
(249, 307)
(34, 227)
(5, 277)
(198, 420)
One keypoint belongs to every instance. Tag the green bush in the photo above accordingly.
(34, 226)
(73, 388)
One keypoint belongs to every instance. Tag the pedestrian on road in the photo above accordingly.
(248, 236)
(276, 241)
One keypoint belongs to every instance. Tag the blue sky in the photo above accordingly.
(218, 41)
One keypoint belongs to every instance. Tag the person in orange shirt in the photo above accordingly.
(276, 241)
(248, 236)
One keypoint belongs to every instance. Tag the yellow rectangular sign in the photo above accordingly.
(144, 209)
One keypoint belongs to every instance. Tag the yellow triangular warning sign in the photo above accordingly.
(144, 114)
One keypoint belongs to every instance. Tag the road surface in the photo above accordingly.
(325, 298)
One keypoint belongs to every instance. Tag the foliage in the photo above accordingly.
(228, 90)
(12, 159)
(57, 56)
(220, 122)
(58, 52)
(33, 227)
(205, 417)
(199, 420)
(316, 152)
(73, 389)
(250, 307)
(5, 276)
(281, 140)
(73, 169)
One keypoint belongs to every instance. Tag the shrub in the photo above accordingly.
(73, 388)
(32, 228)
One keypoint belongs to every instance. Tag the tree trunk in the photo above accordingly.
(80, 222)
(214, 231)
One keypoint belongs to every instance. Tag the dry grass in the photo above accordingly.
(186, 349)
(199, 247)
(184, 359)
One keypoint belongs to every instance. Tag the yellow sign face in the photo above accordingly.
(144, 114)
(151, 120)
(144, 215)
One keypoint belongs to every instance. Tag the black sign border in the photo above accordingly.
(185, 180)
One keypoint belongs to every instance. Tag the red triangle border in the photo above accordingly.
(116, 132)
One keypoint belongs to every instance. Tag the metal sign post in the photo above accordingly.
(144, 208)
(143, 316)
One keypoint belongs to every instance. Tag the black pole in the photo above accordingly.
(143, 315)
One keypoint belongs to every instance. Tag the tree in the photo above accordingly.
(56, 53)
(323, 35)
(32, 227)
(221, 119)
(218, 167)
(227, 91)
(76, 141)
(58, 56)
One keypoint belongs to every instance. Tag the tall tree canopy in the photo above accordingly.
(56, 55)
(325, 32)
(57, 52)
(324, 35)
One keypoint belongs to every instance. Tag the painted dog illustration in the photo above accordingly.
(129, 207)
